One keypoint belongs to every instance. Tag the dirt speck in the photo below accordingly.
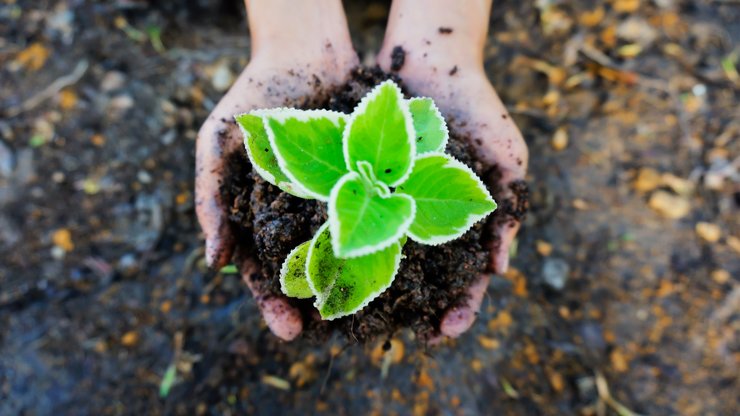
(398, 57)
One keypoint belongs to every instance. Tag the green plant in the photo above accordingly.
(383, 172)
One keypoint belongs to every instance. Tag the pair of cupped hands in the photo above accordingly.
(309, 52)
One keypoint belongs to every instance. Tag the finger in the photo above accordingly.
(513, 201)
(503, 147)
(500, 251)
(218, 137)
(284, 320)
(459, 319)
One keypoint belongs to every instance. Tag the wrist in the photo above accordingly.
(446, 34)
(297, 29)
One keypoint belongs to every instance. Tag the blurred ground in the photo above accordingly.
(625, 293)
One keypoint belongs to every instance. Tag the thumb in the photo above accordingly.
(283, 319)
(459, 319)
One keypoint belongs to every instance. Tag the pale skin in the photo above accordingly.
(296, 42)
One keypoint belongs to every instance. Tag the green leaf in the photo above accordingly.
(403, 240)
(37, 140)
(262, 156)
(344, 286)
(449, 197)
(430, 126)
(728, 65)
(381, 132)
(308, 147)
(367, 175)
(293, 273)
(155, 38)
(229, 269)
(168, 380)
(362, 220)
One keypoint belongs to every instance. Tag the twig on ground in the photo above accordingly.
(605, 395)
(328, 373)
(50, 90)
(331, 364)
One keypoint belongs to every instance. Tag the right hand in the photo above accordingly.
(277, 78)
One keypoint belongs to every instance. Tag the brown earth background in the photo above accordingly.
(624, 296)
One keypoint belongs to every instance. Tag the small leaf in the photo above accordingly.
(403, 240)
(229, 269)
(363, 221)
(344, 286)
(365, 169)
(168, 380)
(155, 38)
(37, 140)
(381, 132)
(728, 65)
(449, 197)
(262, 156)
(293, 273)
(430, 126)
(308, 147)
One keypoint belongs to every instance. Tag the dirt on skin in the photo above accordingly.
(431, 279)
(398, 57)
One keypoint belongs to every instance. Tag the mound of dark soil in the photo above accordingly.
(431, 279)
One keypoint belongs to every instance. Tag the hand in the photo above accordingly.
(448, 67)
(286, 65)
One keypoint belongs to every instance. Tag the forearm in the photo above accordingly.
(302, 27)
(448, 31)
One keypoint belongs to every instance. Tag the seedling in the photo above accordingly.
(383, 172)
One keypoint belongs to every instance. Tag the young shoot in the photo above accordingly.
(383, 172)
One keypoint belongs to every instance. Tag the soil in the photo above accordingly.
(624, 288)
(431, 278)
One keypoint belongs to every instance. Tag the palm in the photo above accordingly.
(474, 110)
